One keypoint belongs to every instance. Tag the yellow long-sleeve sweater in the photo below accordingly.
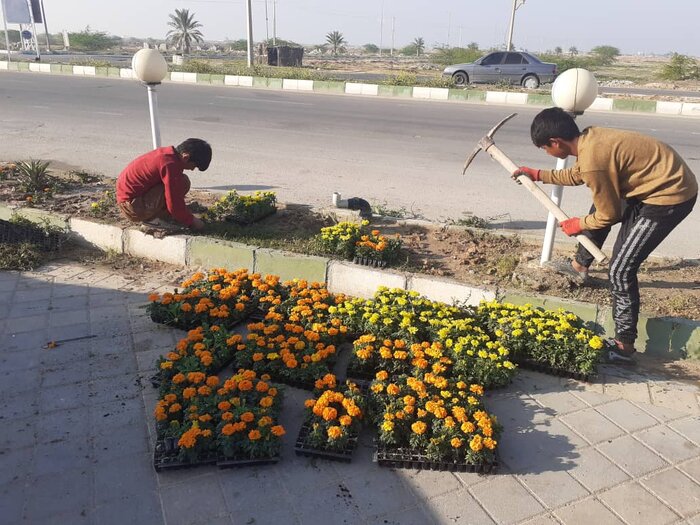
(617, 164)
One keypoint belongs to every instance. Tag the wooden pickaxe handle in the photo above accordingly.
(503, 160)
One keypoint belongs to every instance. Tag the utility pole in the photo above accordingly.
(460, 37)
(7, 37)
(381, 29)
(267, 26)
(249, 16)
(46, 28)
(516, 5)
(449, 27)
(393, 25)
(274, 22)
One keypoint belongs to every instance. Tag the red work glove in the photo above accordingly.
(530, 172)
(571, 226)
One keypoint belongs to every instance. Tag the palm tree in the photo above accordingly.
(336, 41)
(419, 44)
(184, 30)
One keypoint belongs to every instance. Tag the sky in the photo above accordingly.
(633, 26)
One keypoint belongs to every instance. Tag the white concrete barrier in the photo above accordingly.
(245, 81)
(497, 97)
(126, 73)
(171, 249)
(103, 236)
(669, 108)
(691, 109)
(298, 85)
(449, 292)
(40, 68)
(179, 76)
(230, 80)
(516, 98)
(431, 93)
(360, 281)
(4, 64)
(352, 88)
(602, 104)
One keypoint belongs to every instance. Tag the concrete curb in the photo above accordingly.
(663, 337)
(514, 98)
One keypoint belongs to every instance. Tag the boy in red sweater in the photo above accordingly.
(153, 186)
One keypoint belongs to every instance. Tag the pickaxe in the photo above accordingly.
(486, 144)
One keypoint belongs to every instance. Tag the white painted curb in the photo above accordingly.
(516, 98)
(40, 68)
(669, 108)
(431, 93)
(298, 85)
(448, 292)
(4, 64)
(171, 249)
(104, 236)
(352, 88)
(496, 97)
(691, 109)
(126, 73)
(602, 104)
(360, 281)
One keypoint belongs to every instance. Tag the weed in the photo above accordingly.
(382, 209)
(505, 266)
(84, 177)
(102, 207)
(470, 221)
(20, 256)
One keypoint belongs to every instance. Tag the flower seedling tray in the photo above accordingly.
(224, 462)
(301, 448)
(165, 457)
(249, 218)
(158, 319)
(398, 457)
(369, 261)
(536, 366)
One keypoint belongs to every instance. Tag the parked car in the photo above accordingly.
(504, 66)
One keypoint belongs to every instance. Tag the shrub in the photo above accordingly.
(455, 55)
(681, 67)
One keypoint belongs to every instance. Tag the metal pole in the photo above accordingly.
(267, 27)
(249, 16)
(381, 29)
(46, 27)
(551, 230)
(34, 37)
(7, 36)
(153, 108)
(509, 44)
(393, 26)
(449, 27)
(274, 22)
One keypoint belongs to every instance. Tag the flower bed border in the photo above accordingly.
(223, 462)
(536, 366)
(168, 461)
(301, 449)
(400, 457)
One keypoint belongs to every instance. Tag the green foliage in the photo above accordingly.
(90, 62)
(33, 176)
(455, 55)
(242, 209)
(371, 49)
(239, 67)
(13, 34)
(239, 45)
(573, 51)
(185, 30)
(681, 67)
(104, 205)
(89, 40)
(409, 50)
(336, 41)
(473, 46)
(558, 50)
(402, 79)
(21, 257)
(569, 62)
(419, 45)
(605, 55)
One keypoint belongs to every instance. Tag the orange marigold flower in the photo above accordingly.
(254, 435)
(245, 385)
(456, 442)
(309, 403)
(382, 375)
(247, 417)
(419, 427)
(170, 398)
(228, 429)
(334, 432)
(392, 389)
(266, 402)
(189, 392)
(278, 430)
(346, 421)
(227, 416)
(175, 407)
(212, 381)
(330, 413)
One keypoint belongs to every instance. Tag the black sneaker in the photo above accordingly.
(615, 356)
(564, 267)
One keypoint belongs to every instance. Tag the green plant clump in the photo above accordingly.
(242, 209)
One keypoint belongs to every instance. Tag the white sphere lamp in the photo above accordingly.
(149, 66)
(574, 90)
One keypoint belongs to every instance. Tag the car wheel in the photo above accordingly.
(530, 82)
(460, 78)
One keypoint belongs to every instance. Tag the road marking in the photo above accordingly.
(41, 107)
(109, 113)
(267, 101)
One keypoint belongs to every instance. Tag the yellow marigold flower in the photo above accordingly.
(346, 421)
(456, 442)
(382, 375)
(596, 343)
(335, 432)
(388, 426)
(329, 413)
(490, 443)
(476, 444)
(392, 389)
(419, 427)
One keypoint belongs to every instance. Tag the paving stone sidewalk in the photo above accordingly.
(77, 425)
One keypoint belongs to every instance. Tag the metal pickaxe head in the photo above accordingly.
(486, 141)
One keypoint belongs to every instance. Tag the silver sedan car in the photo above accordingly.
(504, 66)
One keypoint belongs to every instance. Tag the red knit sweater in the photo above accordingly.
(160, 166)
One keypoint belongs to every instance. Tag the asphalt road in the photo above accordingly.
(404, 153)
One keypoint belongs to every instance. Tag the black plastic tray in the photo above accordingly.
(302, 449)
(163, 460)
(224, 462)
(369, 261)
(397, 457)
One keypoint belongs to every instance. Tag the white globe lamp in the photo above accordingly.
(150, 68)
(575, 90)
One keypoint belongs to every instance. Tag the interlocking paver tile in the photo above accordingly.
(592, 425)
(677, 489)
(668, 443)
(379, 492)
(68, 498)
(630, 390)
(692, 468)
(138, 508)
(587, 511)
(26, 323)
(56, 375)
(14, 466)
(206, 491)
(637, 506)
(518, 506)
(13, 498)
(595, 472)
(690, 428)
(632, 456)
(545, 519)
(561, 402)
(627, 415)
(63, 397)
(63, 425)
(58, 456)
(554, 488)
(427, 484)
(69, 317)
(665, 414)
(458, 507)
(247, 496)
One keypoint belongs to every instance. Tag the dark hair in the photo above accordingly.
(199, 150)
(553, 123)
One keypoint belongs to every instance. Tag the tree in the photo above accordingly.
(371, 49)
(336, 41)
(89, 40)
(473, 46)
(409, 50)
(419, 44)
(605, 55)
(558, 50)
(573, 51)
(185, 30)
(681, 67)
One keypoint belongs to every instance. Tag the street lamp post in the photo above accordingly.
(516, 5)
(573, 91)
(150, 68)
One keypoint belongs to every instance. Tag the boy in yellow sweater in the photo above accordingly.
(635, 180)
